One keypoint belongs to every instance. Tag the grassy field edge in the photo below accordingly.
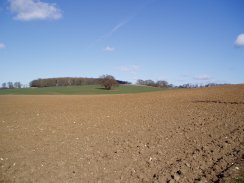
(79, 90)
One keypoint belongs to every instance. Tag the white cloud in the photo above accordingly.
(2, 45)
(131, 69)
(202, 78)
(109, 49)
(27, 10)
(240, 40)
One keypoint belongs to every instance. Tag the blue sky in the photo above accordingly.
(181, 41)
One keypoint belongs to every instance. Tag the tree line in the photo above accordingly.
(107, 81)
(70, 81)
(67, 81)
(11, 85)
(165, 84)
(188, 85)
(149, 82)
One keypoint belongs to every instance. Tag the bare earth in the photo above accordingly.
(193, 135)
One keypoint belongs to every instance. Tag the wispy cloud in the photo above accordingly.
(113, 30)
(27, 10)
(131, 17)
(122, 23)
(119, 26)
(240, 40)
(109, 49)
(110, 32)
(2, 45)
(202, 78)
(131, 69)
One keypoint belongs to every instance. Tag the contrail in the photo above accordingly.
(122, 23)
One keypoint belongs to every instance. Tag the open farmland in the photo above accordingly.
(190, 135)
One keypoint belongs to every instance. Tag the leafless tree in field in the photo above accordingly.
(10, 85)
(108, 81)
(17, 85)
(4, 85)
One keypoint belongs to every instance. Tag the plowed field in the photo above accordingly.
(190, 135)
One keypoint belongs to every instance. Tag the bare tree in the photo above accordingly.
(140, 82)
(108, 81)
(10, 85)
(4, 85)
(162, 83)
(17, 85)
(149, 82)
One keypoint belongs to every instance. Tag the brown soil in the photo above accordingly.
(190, 135)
